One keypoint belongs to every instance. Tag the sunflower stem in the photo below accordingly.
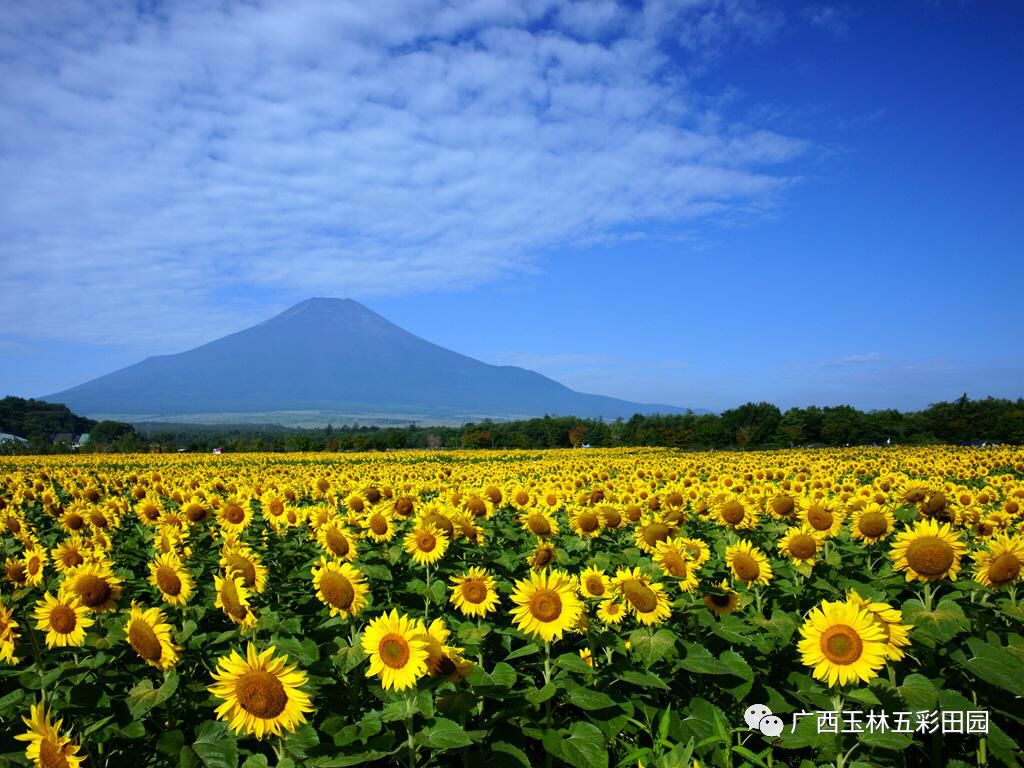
(426, 600)
(36, 655)
(410, 743)
(837, 705)
(547, 704)
(927, 597)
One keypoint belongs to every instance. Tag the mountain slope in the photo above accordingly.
(332, 355)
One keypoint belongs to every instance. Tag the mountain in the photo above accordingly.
(332, 356)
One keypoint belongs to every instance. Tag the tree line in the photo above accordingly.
(749, 426)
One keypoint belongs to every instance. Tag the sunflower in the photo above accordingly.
(149, 509)
(722, 600)
(474, 594)
(644, 596)
(70, 553)
(842, 643)
(426, 544)
(595, 584)
(928, 551)
(540, 523)
(261, 693)
(671, 556)
(696, 550)
(586, 522)
(736, 512)
(650, 531)
(8, 634)
(1002, 563)
(233, 599)
(150, 635)
(800, 544)
(377, 524)
(547, 604)
(783, 505)
(748, 563)
(442, 659)
(14, 571)
(195, 510)
(336, 541)
(542, 556)
(823, 516)
(46, 747)
(64, 619)
(398, 654)
(234, 516)
(35, 565)
(243, 561)
(897, 634)
(872, 523)
(341, 587)
(611, 612)
(95, 585)
(168, 574)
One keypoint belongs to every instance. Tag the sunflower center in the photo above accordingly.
(260, 693)
(1012, 507)
(873, 524)
(546, 605)
(426, 541)
(404, 506)
(356, 505)
(234, 514)
(151, 512)
(63, 619)
(276, 507)
(337, 590)
(493, 494)
(611, 517)
(144, 640)
(930, 556)
(783, 506)
(674, 564)
(522, 498)
(542, 557)
(73, 521)
(445, 666)
(551, 500)
(168, 581)
(71, 558)
(841, 644)
(640, 596)
(539, 525)
(476, 506)
(394, 650)
(656, 532)
(378, 525)
(733, 512)
(587, 522)
(474, 591)
(92, 590)
(373, 495)
(803, 546)
(595, 585)
(51, 755)
(746, 567)
(336, 542)
(243, 567)
(720, 601)
(819, 518)
(322, 485)
(1004, 568)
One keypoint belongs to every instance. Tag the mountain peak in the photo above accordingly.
(330, 354)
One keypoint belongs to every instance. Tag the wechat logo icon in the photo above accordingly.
(760, 718)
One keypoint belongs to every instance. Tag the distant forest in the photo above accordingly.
(750, 426)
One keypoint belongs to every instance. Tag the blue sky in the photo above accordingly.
(697, 203)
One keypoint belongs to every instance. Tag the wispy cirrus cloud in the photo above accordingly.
(173, 170)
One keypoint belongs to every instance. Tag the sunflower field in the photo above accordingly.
(586, 608)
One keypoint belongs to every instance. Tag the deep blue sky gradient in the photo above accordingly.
(888, 272)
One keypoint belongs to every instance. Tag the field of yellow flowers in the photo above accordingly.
(586, 608)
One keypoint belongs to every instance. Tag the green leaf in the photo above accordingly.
(346, 733)
(539, 696)
(503, 675)
(585, 747)
(143, 697)
(995, 665)
(649, 648)
(936, 627)
(303, 651)
(918, 692)
(700, 661)
(216, 746)
(255, 761)
(505, 755)
(444, 734)
(301, 741)
(643, 679)
(588, 699)
(527, 650)
(573, 663)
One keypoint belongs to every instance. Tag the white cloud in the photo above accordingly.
(171, 174)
